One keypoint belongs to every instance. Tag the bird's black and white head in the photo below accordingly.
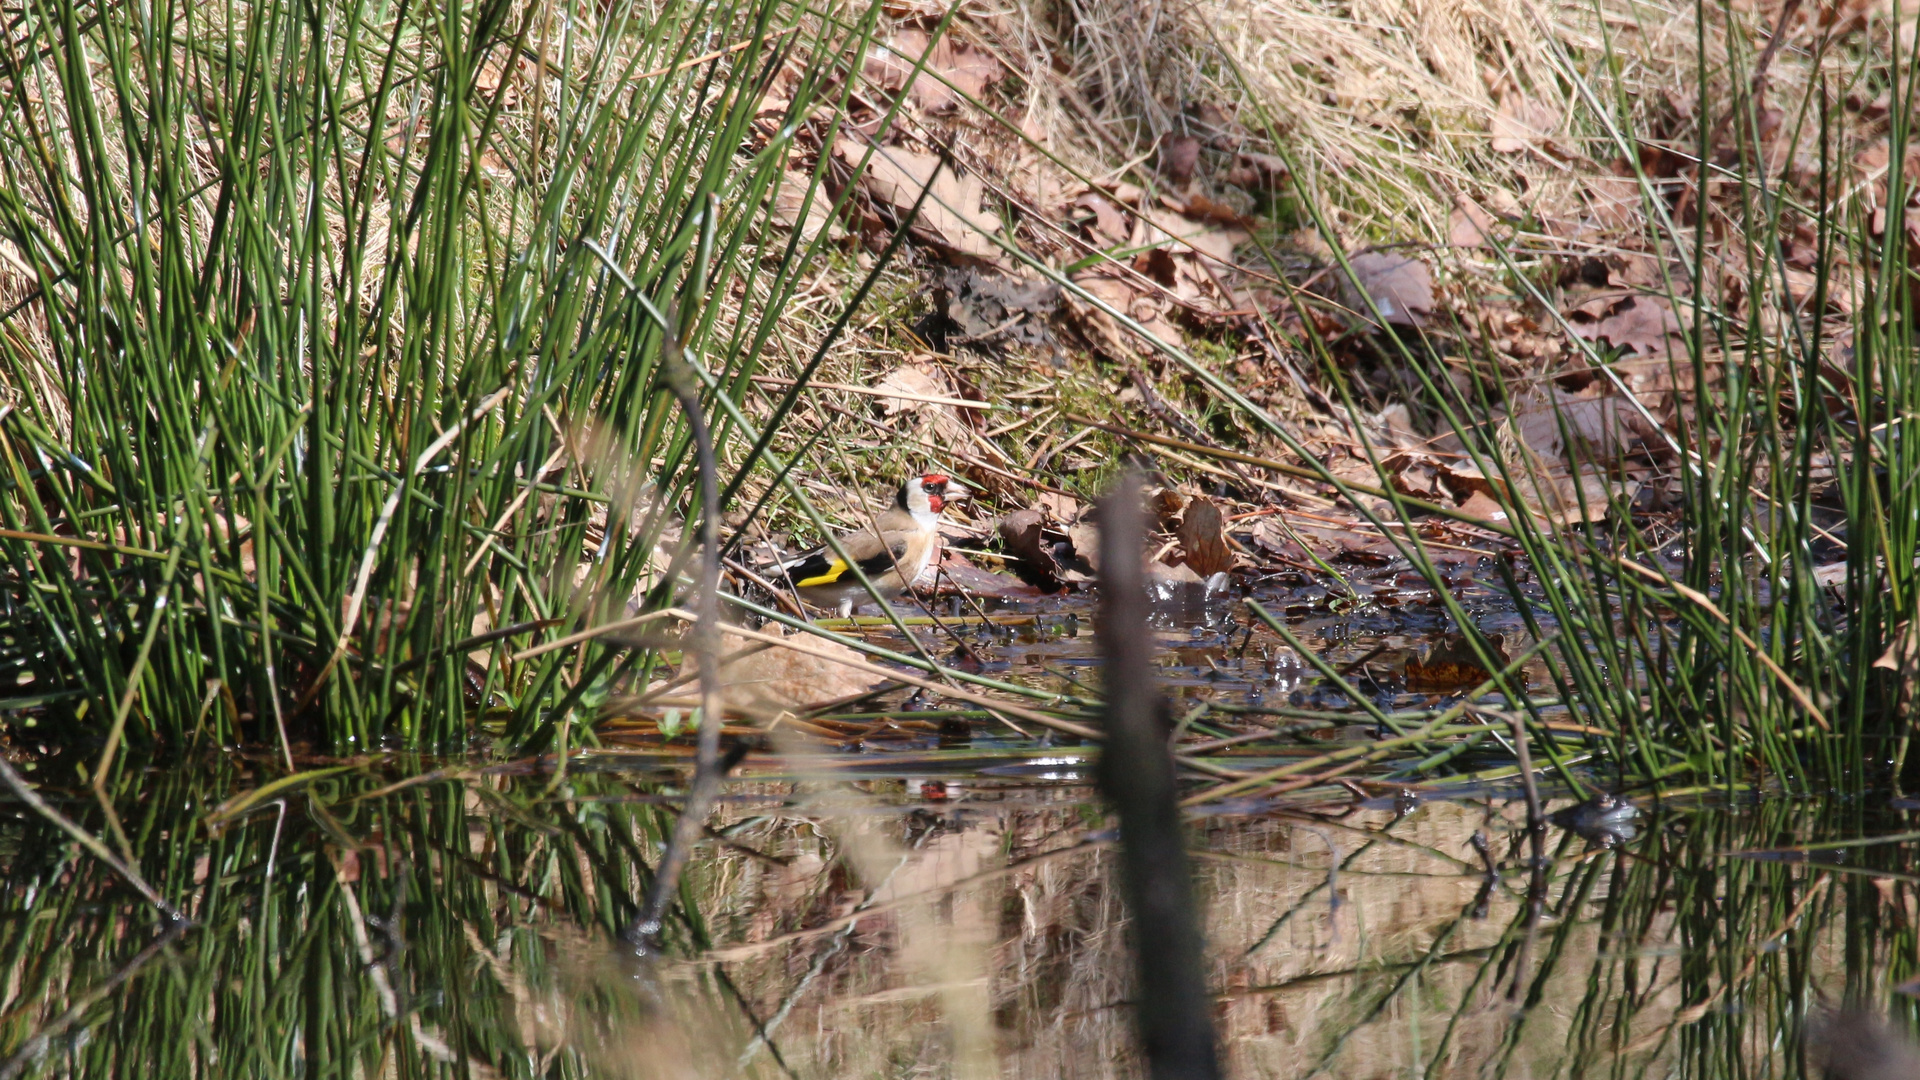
(926, 496)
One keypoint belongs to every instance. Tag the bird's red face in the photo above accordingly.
(938, 489)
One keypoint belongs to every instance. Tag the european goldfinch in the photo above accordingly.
(897, 553)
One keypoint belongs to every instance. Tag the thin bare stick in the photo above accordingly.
(1175, 1015)
(703, 639)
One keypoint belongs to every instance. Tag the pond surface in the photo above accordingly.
(902, 894)
(460, 919)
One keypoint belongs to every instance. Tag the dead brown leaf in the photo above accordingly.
(906, 388)
(1257, 170)
(1469, 226)
(1567, 500)
(1482, 507)
(1085, 537)
(792, 210)
(913, 383)
(1452, 666)
(1058, 507)
(1181, 234)
(1106, 334)
(969, 70)
(1166, 505)
(1400, 286)
(1179, 154)
(1109, 225)
(1522, 124)
(1159, 265)
(951, 216)
(1615, 200)
(1601, 425)
(1021, 536)
(1203, 538)
(770, 679)
(1639, 323)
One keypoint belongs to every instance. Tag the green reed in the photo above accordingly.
(335, 382)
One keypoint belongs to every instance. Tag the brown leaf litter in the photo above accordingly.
(986, 310)
(1203, 538)
(793, 209)
(1636, 323)
(1452, 666)
(951, 217)
(1399, 286)
(764, 680)
(1538, 185)
(959, 67)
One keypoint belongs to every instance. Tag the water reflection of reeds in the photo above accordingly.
(466, 927)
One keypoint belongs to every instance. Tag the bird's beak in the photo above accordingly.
(956, 491)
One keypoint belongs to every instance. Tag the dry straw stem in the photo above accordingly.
(1385, 102)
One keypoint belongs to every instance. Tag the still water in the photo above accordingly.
(912, 897)
(459, 919)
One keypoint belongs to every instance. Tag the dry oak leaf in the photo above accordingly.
(1400, 286)
(1179, 155)
(1469, 226)
(1252, 170)
(1109, 225)
(792, 210)
(1181, 235)
(915, 381)
(1482, 507)
(1414, 474)
(1602, 425)
(1615, 200)
(1522, 124)
(1022, 538)
(1085, 537)
(1199, 251)
(762, 678)
(1567, 500)
(950, 217)
(1643, 324)
(1059, 507)
(969, 70)
(1203, 538)
(1105, 333)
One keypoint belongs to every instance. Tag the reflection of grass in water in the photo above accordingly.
(1665, 955)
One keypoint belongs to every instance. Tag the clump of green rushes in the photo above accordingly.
(330, 346)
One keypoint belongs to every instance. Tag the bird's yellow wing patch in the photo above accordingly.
(836, 569)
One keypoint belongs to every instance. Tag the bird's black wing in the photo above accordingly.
(822, 567)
